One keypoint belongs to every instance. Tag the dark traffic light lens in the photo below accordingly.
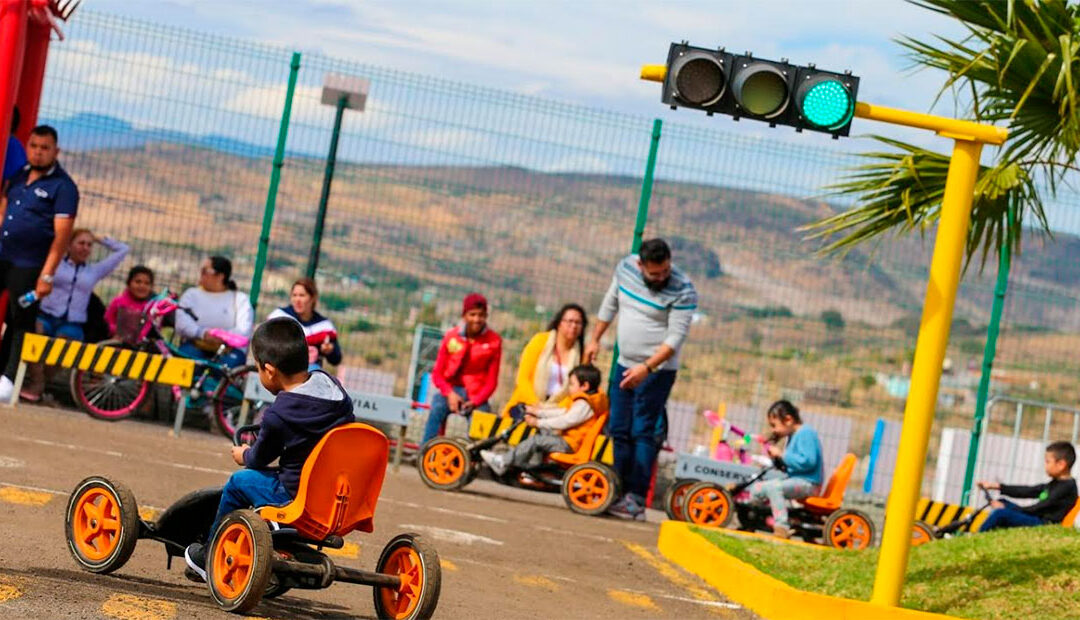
(699, 79)
(761, 90)
(826, 103)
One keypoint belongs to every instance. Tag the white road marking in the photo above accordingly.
(68, 446)
(27, 487)
(544, 528)
(208, 470)
(445, 511)
(10, 462)
(451, 536)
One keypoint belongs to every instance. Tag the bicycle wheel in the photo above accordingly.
(229, 396)
(105, 396)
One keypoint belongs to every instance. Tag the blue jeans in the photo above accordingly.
(249, 488)
(232, 357)
(440, 410)
(56, 327)
(1009, 516)
(635, 424)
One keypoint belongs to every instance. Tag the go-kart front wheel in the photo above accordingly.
(590, 488)
(707, 503)
(674, 497)
(445, 464)
(238, 561)
(921, 533)
(101, 524)
(849, 529)
(416, 562)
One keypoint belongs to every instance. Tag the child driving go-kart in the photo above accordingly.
(1055, 498)
(802, 459)
(561, 429)
(307, 407)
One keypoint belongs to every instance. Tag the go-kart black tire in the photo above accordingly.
(253, 547)
(709, 504)
(848, 528)
(590, 488)
(921, 533)
(274, 588)
(94, 499)
(444, 463)
(674, 496)
(417, 562)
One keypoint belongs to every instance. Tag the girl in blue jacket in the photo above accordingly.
(802, 458)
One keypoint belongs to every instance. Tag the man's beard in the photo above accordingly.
(656, 285)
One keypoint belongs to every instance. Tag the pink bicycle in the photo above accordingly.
(110, 397)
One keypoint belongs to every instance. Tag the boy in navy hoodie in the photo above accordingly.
(308, 405)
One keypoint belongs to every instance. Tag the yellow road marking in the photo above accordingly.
(147, 513)
(447, 565)
(633, 599)
(670, 572)
(128, 607)
(537, 581)
(350, 551)
(9, 591)
(24, 497)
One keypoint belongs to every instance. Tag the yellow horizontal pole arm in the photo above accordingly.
(653, 73)
(946, 127)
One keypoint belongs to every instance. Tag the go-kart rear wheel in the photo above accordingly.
(673, 498)
(445, 464)
(921, 533)
(590, 488)
(101, 524)
(416, 562)
(849, 529)
(707, 503)
(238, 561)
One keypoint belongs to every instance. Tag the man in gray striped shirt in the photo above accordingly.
(654, 301)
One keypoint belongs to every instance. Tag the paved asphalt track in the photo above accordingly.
(506, 553)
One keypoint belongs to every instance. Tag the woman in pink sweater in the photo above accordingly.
(140, 287)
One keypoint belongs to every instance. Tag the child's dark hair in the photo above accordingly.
(784, 409)
(281, 343)
(587, 373)
(140, 270)
(1063, 451)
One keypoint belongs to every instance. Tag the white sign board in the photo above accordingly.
(369, 407)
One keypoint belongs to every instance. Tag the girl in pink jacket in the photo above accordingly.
(140, 287)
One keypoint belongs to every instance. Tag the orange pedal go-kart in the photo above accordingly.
(588, 485)
(821, 519)
(263, 553)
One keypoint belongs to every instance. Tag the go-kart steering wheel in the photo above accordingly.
(247, 429)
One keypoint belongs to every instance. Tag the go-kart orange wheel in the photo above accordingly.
(590, 488)
(849, 529)
(238, 561)
(674, 497)
(921, 533)
(445, 464)
(101, 524)
(707, 503)
(412, 559)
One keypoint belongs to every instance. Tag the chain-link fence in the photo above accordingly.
(442, 188)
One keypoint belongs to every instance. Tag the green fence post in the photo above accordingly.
(639, 224)
(989, 351)
(275, 179)
(324, 196)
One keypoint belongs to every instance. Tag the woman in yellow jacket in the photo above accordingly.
(547, 360)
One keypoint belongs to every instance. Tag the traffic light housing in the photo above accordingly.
(776, 92)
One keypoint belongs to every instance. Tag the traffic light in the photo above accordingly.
(742, 86)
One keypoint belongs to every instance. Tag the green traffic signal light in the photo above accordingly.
(825, 102)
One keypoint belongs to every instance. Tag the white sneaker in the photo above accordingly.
(497, 462)
(7, 386)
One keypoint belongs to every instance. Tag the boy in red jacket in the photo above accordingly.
(466, 370)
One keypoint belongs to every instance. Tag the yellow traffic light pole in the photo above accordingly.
(945, 267)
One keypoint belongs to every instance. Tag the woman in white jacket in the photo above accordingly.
(216, 304)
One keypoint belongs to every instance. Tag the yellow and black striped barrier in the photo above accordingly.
(108, 360)
(940, 514)
(483, 425)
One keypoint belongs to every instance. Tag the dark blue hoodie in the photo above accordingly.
(295, 422)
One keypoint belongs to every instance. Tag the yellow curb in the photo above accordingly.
(765, 595)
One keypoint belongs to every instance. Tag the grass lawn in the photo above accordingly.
(1020, 573)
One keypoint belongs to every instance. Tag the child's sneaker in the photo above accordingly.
(782, 532)
(629, 508)
(497, 462)
(195, 556)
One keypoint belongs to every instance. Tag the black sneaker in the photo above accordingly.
(195, 556)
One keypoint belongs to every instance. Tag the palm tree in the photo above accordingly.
(1019, 65)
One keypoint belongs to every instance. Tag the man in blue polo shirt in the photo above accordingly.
(38, 215)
